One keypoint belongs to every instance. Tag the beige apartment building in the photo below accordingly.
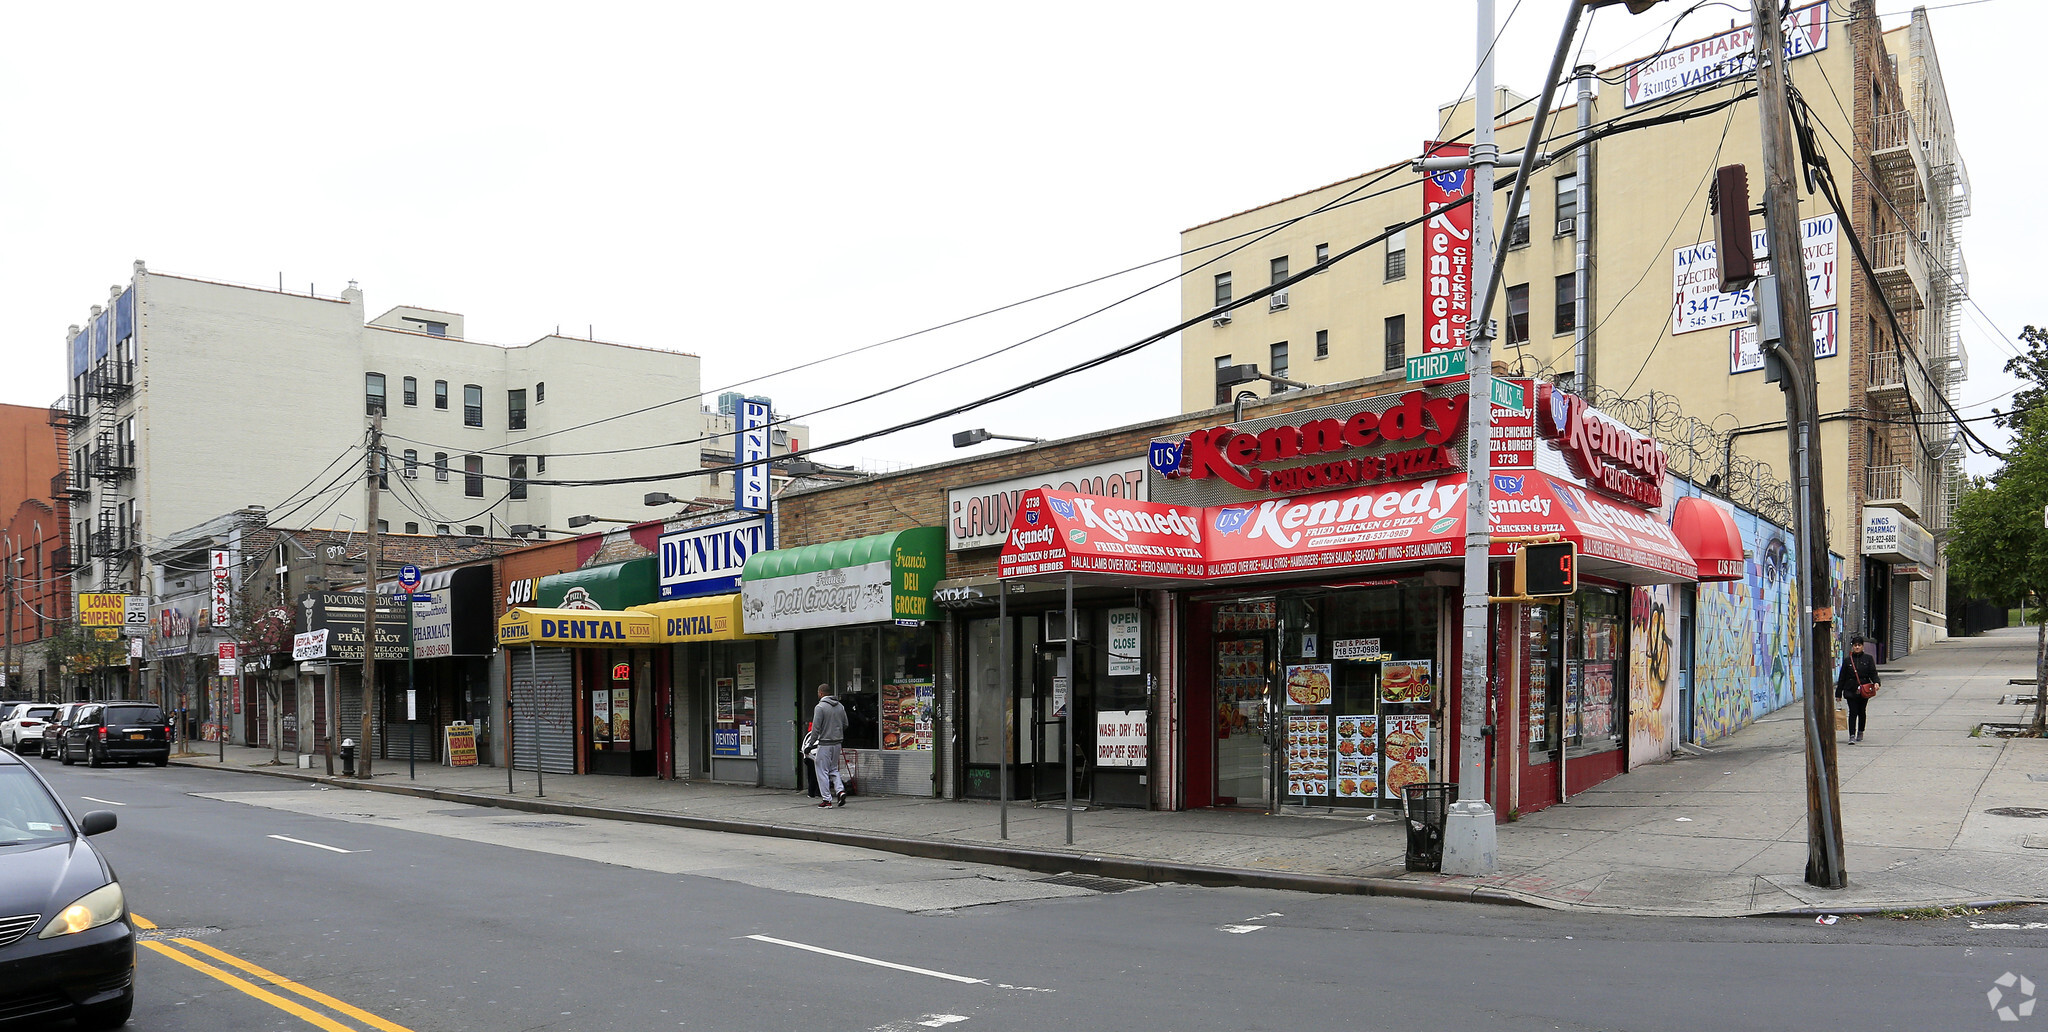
(1662, 349)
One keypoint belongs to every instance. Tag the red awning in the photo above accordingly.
(1709, 533)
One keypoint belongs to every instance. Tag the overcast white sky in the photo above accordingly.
(764, 185)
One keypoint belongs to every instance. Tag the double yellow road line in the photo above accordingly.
(271, 978)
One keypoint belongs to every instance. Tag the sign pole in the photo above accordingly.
(1067, 711)
(376, 464)
(1009, 704)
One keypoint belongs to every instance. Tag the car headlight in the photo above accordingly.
(103, 905)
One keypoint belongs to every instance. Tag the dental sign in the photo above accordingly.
(707, 560)
(1609, 456)
(1418, 425)
(750, 451)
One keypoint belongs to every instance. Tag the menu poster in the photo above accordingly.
(622, 716)
(601, 715)
(1308, 685)
(743, 678)
(723, 689)
(1240, 670)
(1596, 713)
(1407, 681)
(1238, 617)
(725, 735)
(1407, 751)
(1308, 756)
(906, 715)
(1358, 756)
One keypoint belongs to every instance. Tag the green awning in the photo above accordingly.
(612, 586)
(864, 580)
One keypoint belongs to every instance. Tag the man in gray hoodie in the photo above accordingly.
(828, 730)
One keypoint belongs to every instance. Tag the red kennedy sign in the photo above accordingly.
(1239, 457)
(1610, 457)
(1446, 252)
(1060, 531)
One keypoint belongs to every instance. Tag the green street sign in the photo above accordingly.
(1436, 365)
(1508, 394)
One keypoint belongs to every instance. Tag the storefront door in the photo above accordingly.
(1050, 727)
(1243, 671)
(620, 696)
(995, 734)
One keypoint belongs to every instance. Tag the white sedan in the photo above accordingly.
(24, 727)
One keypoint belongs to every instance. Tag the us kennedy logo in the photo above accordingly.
(1061, 506)
(1507, 484)
(1230, 521)
(1450, 180)
(1031, 517)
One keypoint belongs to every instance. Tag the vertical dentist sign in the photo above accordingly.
(750, 445)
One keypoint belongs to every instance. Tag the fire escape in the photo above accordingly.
(69, 487)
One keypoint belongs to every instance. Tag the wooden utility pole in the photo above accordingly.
(370, 488)
(1825, 866)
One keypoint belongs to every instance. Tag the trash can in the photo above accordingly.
(1429, 807)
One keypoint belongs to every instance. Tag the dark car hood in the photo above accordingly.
(43, 879)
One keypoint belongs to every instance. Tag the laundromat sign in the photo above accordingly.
(1415, 429)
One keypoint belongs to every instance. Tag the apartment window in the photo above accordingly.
(473, 530)
(1222, 288)
(1322, 344)
(1279, 366)
(1222, 392)
(440, 528)
(1397, 252)
(1567, 203)
(1518, 231)
(1567, 311)
(472, 405)
(412, 464)
(540, 392)
(412, 391)
(441, 466)
(1518, 314)
(1397, 342)
(516, 468)
(383, 469)
(473, 476)
(440, 394)
(383, 526)
(373, 393)
(540, 464)
(1322, 253)
(412, 528)
(1279, 269)
(515, 410)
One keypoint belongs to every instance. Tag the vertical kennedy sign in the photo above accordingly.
(1446, 252)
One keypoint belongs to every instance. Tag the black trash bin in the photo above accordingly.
(1428, 806)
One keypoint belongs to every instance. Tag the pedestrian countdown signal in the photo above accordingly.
(1547, 569)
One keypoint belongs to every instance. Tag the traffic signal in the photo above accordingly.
(1547, 569)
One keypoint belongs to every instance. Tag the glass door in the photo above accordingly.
(1245, 733)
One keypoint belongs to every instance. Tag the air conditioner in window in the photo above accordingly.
(1221, 320)
(1566, 227)
(412, 473)
(1277, 301)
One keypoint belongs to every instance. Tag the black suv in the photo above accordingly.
(104, 732)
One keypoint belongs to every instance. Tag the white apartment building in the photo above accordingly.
(191, 398)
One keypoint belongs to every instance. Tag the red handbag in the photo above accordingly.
(1868, 690)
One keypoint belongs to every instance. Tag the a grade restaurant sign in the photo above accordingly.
(1417, 426)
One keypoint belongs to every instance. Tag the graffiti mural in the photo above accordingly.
(1652, 674)
(1747, 644)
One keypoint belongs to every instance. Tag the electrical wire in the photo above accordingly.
(1664, 325)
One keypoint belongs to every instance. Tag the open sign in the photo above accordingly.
(622, 671)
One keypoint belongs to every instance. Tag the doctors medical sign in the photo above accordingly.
(707, 560)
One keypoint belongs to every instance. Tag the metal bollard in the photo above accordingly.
(348, 757)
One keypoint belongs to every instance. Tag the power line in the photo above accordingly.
(1664, 324)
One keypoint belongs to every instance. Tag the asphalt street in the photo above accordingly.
(279, 905)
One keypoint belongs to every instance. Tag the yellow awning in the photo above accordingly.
(575, 627)
(712, 618)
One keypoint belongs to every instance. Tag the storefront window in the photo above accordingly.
(906, 699)
(1541, 661)
(1596, 676)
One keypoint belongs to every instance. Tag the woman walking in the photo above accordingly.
(1856, 683)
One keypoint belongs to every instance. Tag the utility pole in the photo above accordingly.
(376, 466)
(1825, 866)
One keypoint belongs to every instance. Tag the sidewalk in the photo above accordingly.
(1720, 834)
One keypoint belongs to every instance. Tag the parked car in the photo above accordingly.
(53, 731)
(68, 948)
(24, 725)
(126, 731)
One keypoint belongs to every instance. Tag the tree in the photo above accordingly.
(84, 650)
(2031, 366)
(1998, 545)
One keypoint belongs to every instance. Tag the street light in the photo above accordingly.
(970, 438)
(520, 530)
(585, 521)
(1232, 375)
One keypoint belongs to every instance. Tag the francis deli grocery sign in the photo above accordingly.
(1418, 426)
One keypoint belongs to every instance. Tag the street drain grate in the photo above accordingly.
(540, 824)
(2017, 811)
(152, 934)
(1093, 882)
(2001, 730)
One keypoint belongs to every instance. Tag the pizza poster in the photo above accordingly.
(1358, 756)
(1308, 755)
(1407, 751)
(1308, 685)
(622, 715)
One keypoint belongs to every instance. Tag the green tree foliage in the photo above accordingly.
(2031, 366)
(1998, 545)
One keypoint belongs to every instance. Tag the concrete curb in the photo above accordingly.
(1043, 861)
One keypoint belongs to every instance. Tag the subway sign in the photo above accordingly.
(707, 560)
